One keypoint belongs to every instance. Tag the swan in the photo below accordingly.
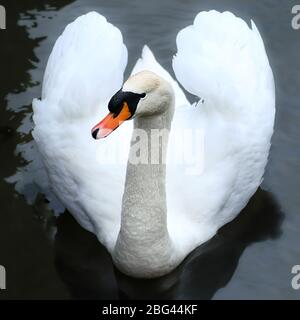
(150, 214)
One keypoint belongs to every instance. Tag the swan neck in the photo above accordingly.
(143, 240)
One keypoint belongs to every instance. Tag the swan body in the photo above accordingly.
(150, 216)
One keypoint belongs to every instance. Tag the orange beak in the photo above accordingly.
(111, 122)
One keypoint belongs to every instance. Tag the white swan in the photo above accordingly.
(152, 217)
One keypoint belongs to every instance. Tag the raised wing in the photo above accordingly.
(222, 61)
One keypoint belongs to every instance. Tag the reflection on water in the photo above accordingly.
(24, 250)
(249, 258)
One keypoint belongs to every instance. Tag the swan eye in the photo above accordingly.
(120, 98)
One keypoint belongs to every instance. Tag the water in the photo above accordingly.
(250, 258)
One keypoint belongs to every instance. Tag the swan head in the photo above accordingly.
(143, 94)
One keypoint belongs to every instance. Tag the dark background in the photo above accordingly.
(250, 258)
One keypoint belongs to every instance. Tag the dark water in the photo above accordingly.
(250, 258)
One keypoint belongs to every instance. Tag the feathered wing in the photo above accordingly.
(222, 61)
(86, 65)
(84, 70)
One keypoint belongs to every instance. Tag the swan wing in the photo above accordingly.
(84, 70)
(223, 62)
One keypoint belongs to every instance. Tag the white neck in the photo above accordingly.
(143, 246)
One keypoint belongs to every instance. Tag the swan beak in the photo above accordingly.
(111, 122)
